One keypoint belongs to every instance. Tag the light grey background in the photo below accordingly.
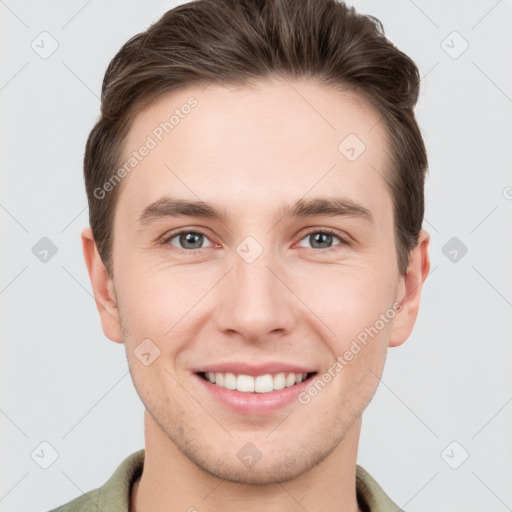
(66, 384)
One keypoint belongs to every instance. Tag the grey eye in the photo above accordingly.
(321, 239)
(188, 240)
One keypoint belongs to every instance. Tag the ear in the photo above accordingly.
(409, 291)
(103, 288)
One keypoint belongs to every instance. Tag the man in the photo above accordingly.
(255, 185)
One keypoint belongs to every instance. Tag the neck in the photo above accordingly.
(170, 481)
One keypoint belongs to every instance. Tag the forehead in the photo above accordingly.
(251, 147)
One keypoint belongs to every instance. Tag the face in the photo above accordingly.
(291, 262)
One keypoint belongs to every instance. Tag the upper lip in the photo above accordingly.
(239, 368)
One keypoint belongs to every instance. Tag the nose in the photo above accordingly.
(254, 299)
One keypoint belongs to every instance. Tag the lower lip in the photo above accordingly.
(254, 404)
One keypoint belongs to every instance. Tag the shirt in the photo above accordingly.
(114, 495)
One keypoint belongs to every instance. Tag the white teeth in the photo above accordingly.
(260, 384)
(245, 383)
(279, 381)
(290, 379)
(230, 381)
(264, 384)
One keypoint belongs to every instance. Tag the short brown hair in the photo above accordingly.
(234, 42)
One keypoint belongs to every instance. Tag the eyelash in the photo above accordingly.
(328, 231)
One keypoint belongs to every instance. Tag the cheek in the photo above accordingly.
(348, 298)
(359, 313)
(155, 299)
(356, 305)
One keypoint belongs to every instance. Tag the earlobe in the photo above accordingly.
(409, 291)
(103, 288)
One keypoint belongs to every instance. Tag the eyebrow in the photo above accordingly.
(326, 206)
(174, 207)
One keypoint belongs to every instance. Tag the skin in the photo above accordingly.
(251, 150)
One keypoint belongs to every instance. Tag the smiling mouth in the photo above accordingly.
(260, 384)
